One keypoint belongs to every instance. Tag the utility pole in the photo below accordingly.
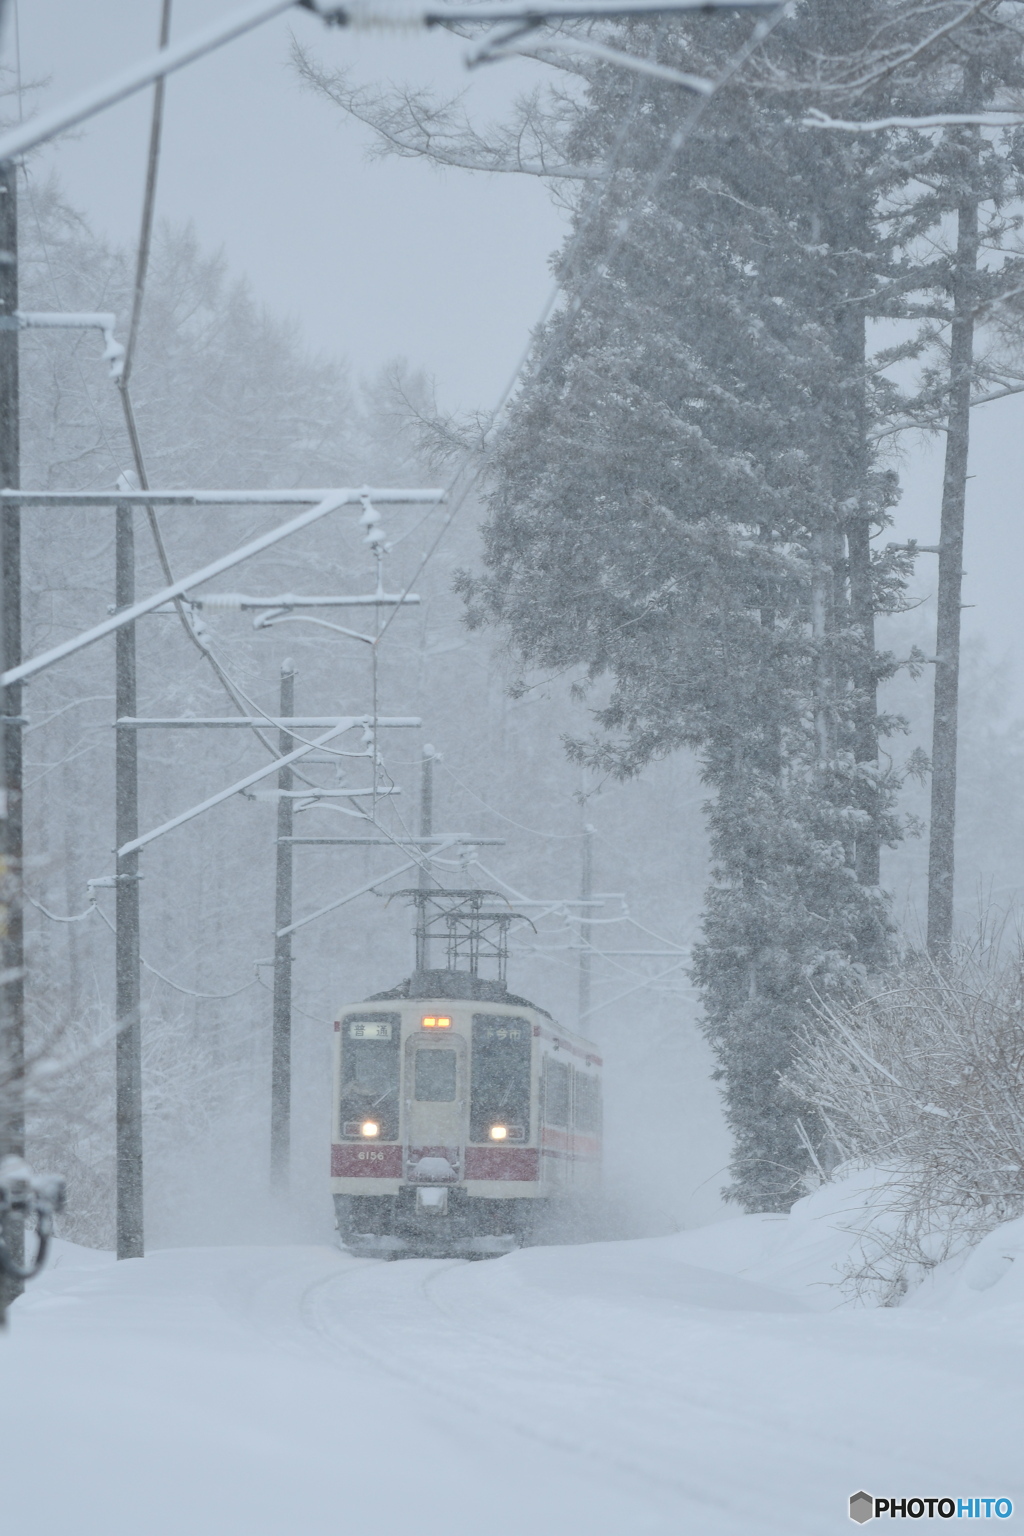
(281, 1038)
(12, 948)
(951, 559)
(426, 829)
(127, 965)
(586, 894)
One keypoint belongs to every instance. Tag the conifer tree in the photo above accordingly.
(685, 493)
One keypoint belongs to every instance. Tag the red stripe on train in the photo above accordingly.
(503, 1163)
(497, 1164)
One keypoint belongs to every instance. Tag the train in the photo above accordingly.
(466, 1120)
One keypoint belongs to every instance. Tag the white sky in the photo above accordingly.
(385, 258)
(373, 259)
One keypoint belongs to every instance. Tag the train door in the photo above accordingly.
(586, 1113)
(556, 1129)
(435, 1104)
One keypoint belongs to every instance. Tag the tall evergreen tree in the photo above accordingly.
(686, 489)
(673, 506)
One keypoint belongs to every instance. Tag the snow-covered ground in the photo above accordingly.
(705, 1383)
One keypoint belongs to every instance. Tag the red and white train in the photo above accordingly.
(465, 1119)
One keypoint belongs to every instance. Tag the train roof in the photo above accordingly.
(457, 986)
(461, 986)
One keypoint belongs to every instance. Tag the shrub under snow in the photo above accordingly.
(923, 1077)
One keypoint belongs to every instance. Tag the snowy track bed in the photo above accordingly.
(619, 1387)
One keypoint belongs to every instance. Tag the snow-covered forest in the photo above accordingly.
(711, 707)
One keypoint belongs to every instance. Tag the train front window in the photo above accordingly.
(500, 1089)
(435, 1077)
(370, 1074)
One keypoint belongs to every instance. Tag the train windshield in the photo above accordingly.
(500, 1091)
(370, 1073)
(435, 1076)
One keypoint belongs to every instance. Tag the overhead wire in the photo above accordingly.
(176, 986)
(561, 909)
(114, 457)
(93, 698)
(55, 917)
(142, 263)
(44, 245)
(473, 471)
(138, 295)
(469, 471)
(649, 931)
(94, 909)
(533, 831)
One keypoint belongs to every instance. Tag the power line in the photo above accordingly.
(176, 986)
(93, 909)
(561, 836)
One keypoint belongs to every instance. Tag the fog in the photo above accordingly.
(647, 658)
(373, 260)
(376, 259)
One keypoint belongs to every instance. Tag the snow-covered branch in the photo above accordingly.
(898, 47)
(540, 47)
(416, 124)
(818, 119)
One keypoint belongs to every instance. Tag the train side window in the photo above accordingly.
(500, 1076)
(370, 1073)
(435, 1076)
(556, 1092)
(587, 1107)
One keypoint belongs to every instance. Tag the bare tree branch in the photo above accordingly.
(416, 124)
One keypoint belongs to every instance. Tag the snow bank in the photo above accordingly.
(990, 1277)
(710, 1382)
(806, 1254)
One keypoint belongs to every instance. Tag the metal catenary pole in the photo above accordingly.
(12, 985)
(426, 828)
(281, 1044)
(130, 1227)
(586, 894)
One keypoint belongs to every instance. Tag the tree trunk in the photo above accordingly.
(861, 599)
(951, 545)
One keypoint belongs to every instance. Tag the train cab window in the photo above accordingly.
(435, 1076)
(587, 1103)
(500, 1085)
(370, 1074)
(556, 1092)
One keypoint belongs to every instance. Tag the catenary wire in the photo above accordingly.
(131, 426)
(533, 831)
(471, 479)
(94, 909)
(761, 32)
(185, 991)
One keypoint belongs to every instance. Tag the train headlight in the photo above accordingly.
(498, 1132)
(369, 1128)
(436, 1021)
